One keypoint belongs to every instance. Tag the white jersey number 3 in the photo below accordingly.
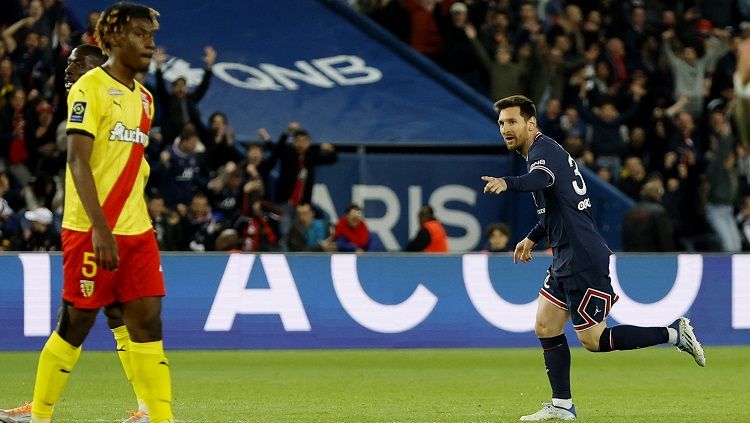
(579, 189)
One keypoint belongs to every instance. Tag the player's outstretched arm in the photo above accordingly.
(104, 244)
(523, 251)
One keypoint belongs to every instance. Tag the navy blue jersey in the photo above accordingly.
(563, 206)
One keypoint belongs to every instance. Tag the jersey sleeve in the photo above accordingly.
(83, 109)
(539, 177)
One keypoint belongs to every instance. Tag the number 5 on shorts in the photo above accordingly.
(89, 265)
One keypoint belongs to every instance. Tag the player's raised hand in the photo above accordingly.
(523, 251)
(160, 56)
(470, 31)
(106, 254)
(263, 134)
(494, 185)
(209, 57)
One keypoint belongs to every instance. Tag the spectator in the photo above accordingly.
(426, 17)
(166, 224)
(256, 229)
(8, 81)
(743, 220)
(42, 142)
(742, 91)
(229, 241)
(460, 59)
(647, 226)
(87, 36)
(689, 70)
(226, 194)
(549, 121)
(258, 164)
(505, 74)
(198, 224)
(179, 171)
(606, 140)
(15, 124)
(351, 233)
(220, 147)
(723, 190)
(40, 236)
(298, 162)
(633, 177)
(498, 237)
(578, 149)
(308, 233)
(571, 123)
(391, 15)
(181, 107)
(431, 237)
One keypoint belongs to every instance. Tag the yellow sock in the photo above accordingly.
(151, 370)
(122, 338)
(57, 360)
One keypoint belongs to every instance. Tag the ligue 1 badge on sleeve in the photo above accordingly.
(77, 112)
(87, 288)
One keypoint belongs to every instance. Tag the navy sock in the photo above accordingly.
(557, 361)
(627, 337)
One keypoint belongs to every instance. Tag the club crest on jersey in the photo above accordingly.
(146, 101)
(87, 288)
(121, 133)
(77, 111)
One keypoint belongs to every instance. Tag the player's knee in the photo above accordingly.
(590, 344)
(543, 330)
(74, 325)
(114, 317)
(147, 329)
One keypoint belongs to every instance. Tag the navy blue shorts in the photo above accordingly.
(587, 295)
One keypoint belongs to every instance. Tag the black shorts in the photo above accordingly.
(587, 295)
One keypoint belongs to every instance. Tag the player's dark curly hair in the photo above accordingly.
(528, 110)
(115, 17)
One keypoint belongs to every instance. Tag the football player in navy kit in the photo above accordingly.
(577, 285)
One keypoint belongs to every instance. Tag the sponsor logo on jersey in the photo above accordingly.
(121, 133)
(537, 163)
(541, 211)
(584, 204)
(77, 112)
(114, 91)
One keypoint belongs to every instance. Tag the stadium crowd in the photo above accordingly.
(639, 91)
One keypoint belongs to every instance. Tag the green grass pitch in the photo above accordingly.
(473, 385)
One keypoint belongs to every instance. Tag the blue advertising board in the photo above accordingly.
(318, 63)
(392, 187)
(275, 301)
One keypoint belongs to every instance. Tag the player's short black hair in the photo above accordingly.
(92, 53)
(302, 133)
(115, 17)
(528, 110)
(353, 206)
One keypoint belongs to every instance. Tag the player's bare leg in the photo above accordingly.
(150, 365)
(550, 328)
